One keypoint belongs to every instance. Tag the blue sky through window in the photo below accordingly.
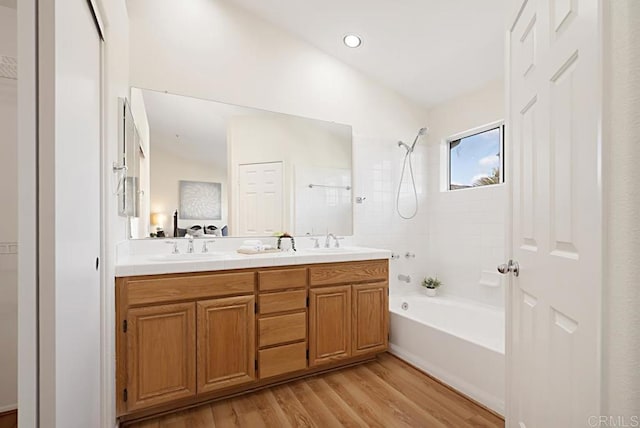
(474, 157)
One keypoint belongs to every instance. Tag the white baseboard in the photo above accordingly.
(8, 408)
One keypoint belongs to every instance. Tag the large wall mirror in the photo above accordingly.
(220, 169)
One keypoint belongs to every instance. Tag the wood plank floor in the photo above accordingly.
(383, 393)
(9, 419)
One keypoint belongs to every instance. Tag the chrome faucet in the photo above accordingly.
(190, 248)
(335, 238)
(327, 240)
(175, 246)
(205, 246)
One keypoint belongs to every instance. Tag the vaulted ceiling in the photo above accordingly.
(427, 50)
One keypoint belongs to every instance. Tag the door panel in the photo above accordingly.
(70, 212)
(261, 199)
(554, 313)
(370, 318)
(226, 342)
(329, 324)
(161, 354)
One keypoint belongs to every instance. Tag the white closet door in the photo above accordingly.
(261, 199)
(553, 343)
(70, 217)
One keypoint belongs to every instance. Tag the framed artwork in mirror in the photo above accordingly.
(200, 200)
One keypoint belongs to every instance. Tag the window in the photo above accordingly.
(475, 158)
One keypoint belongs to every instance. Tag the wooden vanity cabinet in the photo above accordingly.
(161, 353)
(329, 324)
(225, 342)
(180, 336)
(349, 320)
(370, 318)
(282, 322)
(189, 338)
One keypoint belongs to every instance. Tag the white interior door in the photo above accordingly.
(70, 218)
(554, 304)
(261, 199)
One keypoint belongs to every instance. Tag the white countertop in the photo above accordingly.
(150, 264)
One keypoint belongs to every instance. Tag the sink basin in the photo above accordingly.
(332, 250)
(186, 257)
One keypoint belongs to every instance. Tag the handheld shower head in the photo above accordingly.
(421, 132)
(407, 159)
(409, 149)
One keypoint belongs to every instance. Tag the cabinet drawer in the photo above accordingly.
(282, 359)
(282, 301)
(282, 279)
(345, 273)
(156, 290)
(282, 329)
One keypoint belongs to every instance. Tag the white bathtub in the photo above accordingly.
(456, 341)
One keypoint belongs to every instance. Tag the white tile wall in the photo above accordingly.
(377, 168)
(467, 228)
(458, 236)
(467, 242)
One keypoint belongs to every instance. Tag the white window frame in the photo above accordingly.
(445, 176)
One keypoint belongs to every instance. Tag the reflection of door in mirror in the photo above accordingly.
(260, 199)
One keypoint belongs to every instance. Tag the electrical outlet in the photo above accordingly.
(8, 248)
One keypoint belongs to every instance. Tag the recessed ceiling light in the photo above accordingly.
(352, 41)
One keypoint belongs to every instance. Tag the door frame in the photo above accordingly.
(507, 154)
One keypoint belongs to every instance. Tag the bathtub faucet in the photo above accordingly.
(404, 278)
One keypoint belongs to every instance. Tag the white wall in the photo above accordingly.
(621, 175)
(467, 227)
(9, 216)
(167, 169)
(210, 49)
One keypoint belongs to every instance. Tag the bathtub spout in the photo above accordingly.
(404, 278)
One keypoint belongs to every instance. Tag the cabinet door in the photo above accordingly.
(370, 318)
(226, 342)
(161, 354)
(329, 324)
